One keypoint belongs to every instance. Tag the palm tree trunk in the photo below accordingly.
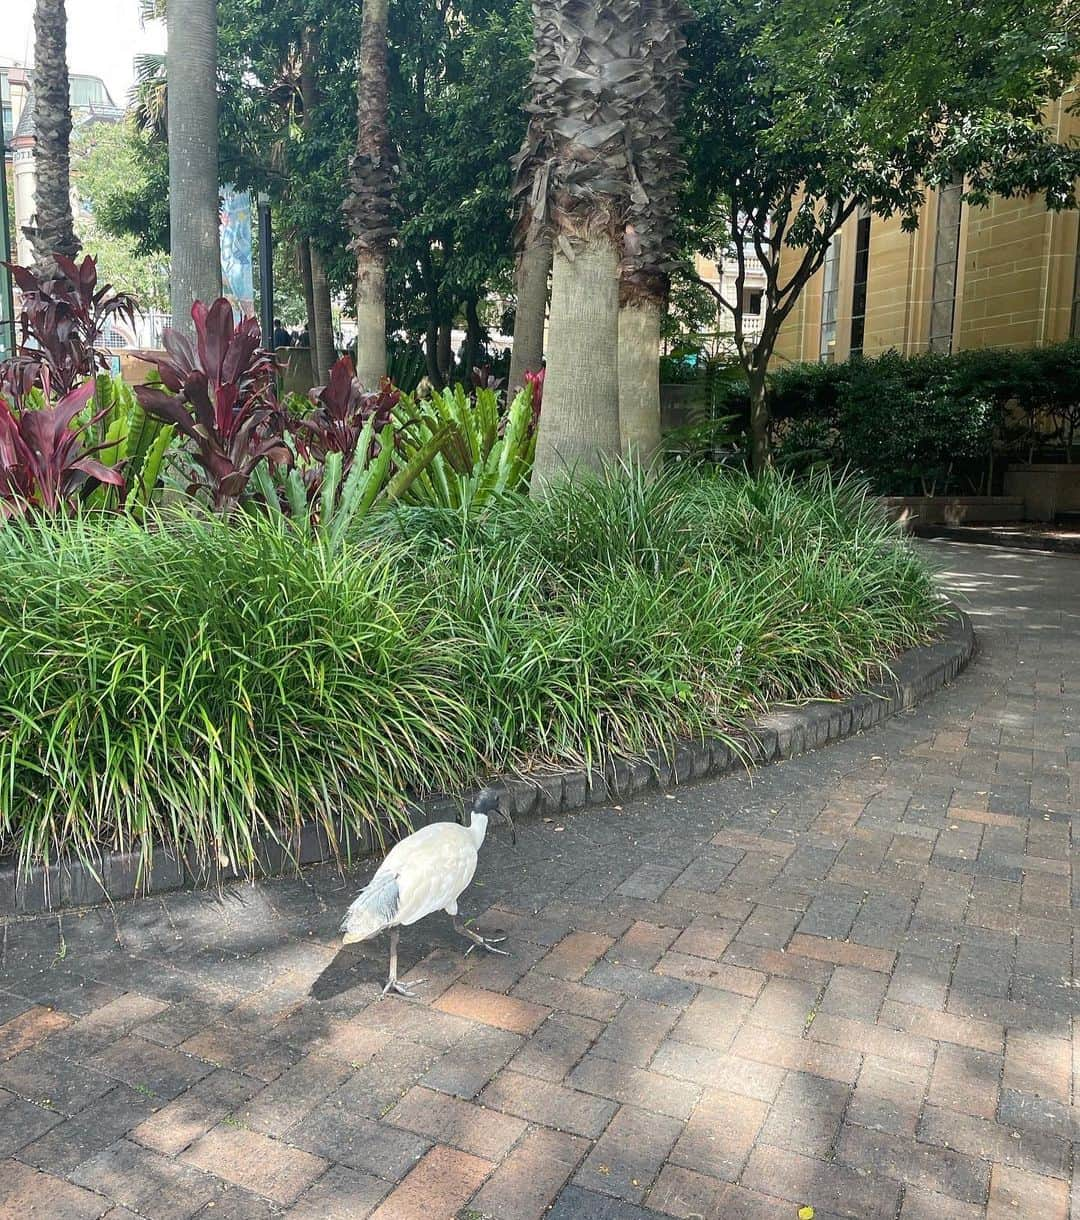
(370, 202)
(581, 393)
(323, 352)
(320, 315)
(54, 231)
(533, 269)
(639, 377)
(193, 156)
(309, 290)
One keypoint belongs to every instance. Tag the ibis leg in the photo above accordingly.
(392, 983)
(477, 939)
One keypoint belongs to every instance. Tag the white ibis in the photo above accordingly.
(424, 873)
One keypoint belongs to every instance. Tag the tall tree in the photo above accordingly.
(532, 241)
(586, 93)
(650, 250)
(369, 206)
(54, 231)
(320, 318)
(805, 110)
(193, 155)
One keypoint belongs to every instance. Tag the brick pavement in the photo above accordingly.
(848, 983)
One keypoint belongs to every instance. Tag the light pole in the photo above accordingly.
(266, 271)
(7, 300)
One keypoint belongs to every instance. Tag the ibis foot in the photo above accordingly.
(478, 941)
(397, 987)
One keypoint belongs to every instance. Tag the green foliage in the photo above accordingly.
(132, 442)
(929, 424)
(486, 454)
(203, 680)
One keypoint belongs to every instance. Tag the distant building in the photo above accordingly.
(90, 103)
(1004, 275)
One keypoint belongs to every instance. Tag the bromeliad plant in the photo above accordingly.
(60, 327)
(219, 393)
(44, 461)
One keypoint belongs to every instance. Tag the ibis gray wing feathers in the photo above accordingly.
(375, 908)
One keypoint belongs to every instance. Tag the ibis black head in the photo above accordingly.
(492, 803)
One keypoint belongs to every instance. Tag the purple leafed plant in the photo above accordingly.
(342, 409)
(43, 461)
(60, 327)
(219, 393)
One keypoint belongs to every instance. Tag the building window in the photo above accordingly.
(946, 262)
(858, 288)
(830, 293)
(753, 302)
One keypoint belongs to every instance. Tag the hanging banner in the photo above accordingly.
(237, 277)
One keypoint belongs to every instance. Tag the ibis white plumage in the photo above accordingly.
(426, 872)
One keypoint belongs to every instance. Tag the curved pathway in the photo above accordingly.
(848, 983)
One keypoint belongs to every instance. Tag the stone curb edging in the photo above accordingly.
(991, 537)
(783, 733)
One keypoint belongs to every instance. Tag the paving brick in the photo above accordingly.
(642, 945)
(966, 1080)
(459, 1124)
(556, 1047)
(574, 955)
(944, 1027)
(769, 927)
(907, 1160)
(721, 1131)
(757, 963)
(503, 1011)
(797, 1054)
(439, 1185)
(336, 1132)
(706, 937)
(107, 1023)
(50, 1081)
(641, 984)
(713, 1019)
(528, 1179)
(22, 1122)
(785, 1005)
(635, 1086)
(340, 1194)
(29, 1028)
(806, 1114)
(162, 1071)
(926, 1205)
(294, 1094)
(649, 881)
(256, 1162)
(683, 1193)
(629, 1154)
(563, 996)
(1015, 1193)
(469, 1064)
(172, 1128)
(25, 1192)
(153, 1186)
(63, 1147)
(701, 972)
(991, 1141)
(637, 1030)
(870, 1039)
(551, 1105)
(1035, 1063)
(888, 1096)
(842, 953)
(574, 1203)
(854, 993)
(861, 1195)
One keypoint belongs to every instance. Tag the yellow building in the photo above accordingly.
(1000, 276)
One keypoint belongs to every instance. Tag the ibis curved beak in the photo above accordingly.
(505, 815)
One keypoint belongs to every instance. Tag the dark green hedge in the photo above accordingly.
(930, 424)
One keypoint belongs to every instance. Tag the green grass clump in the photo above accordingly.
(196, 682)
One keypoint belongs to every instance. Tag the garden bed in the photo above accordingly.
(202, 696)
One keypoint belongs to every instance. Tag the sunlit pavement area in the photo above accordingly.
(846, 982)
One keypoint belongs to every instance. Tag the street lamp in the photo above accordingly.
(7, 300)
(266, 271)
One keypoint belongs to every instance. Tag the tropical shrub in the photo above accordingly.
(60, 327)
(44, 459)
(220, 395)
(209, 678)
